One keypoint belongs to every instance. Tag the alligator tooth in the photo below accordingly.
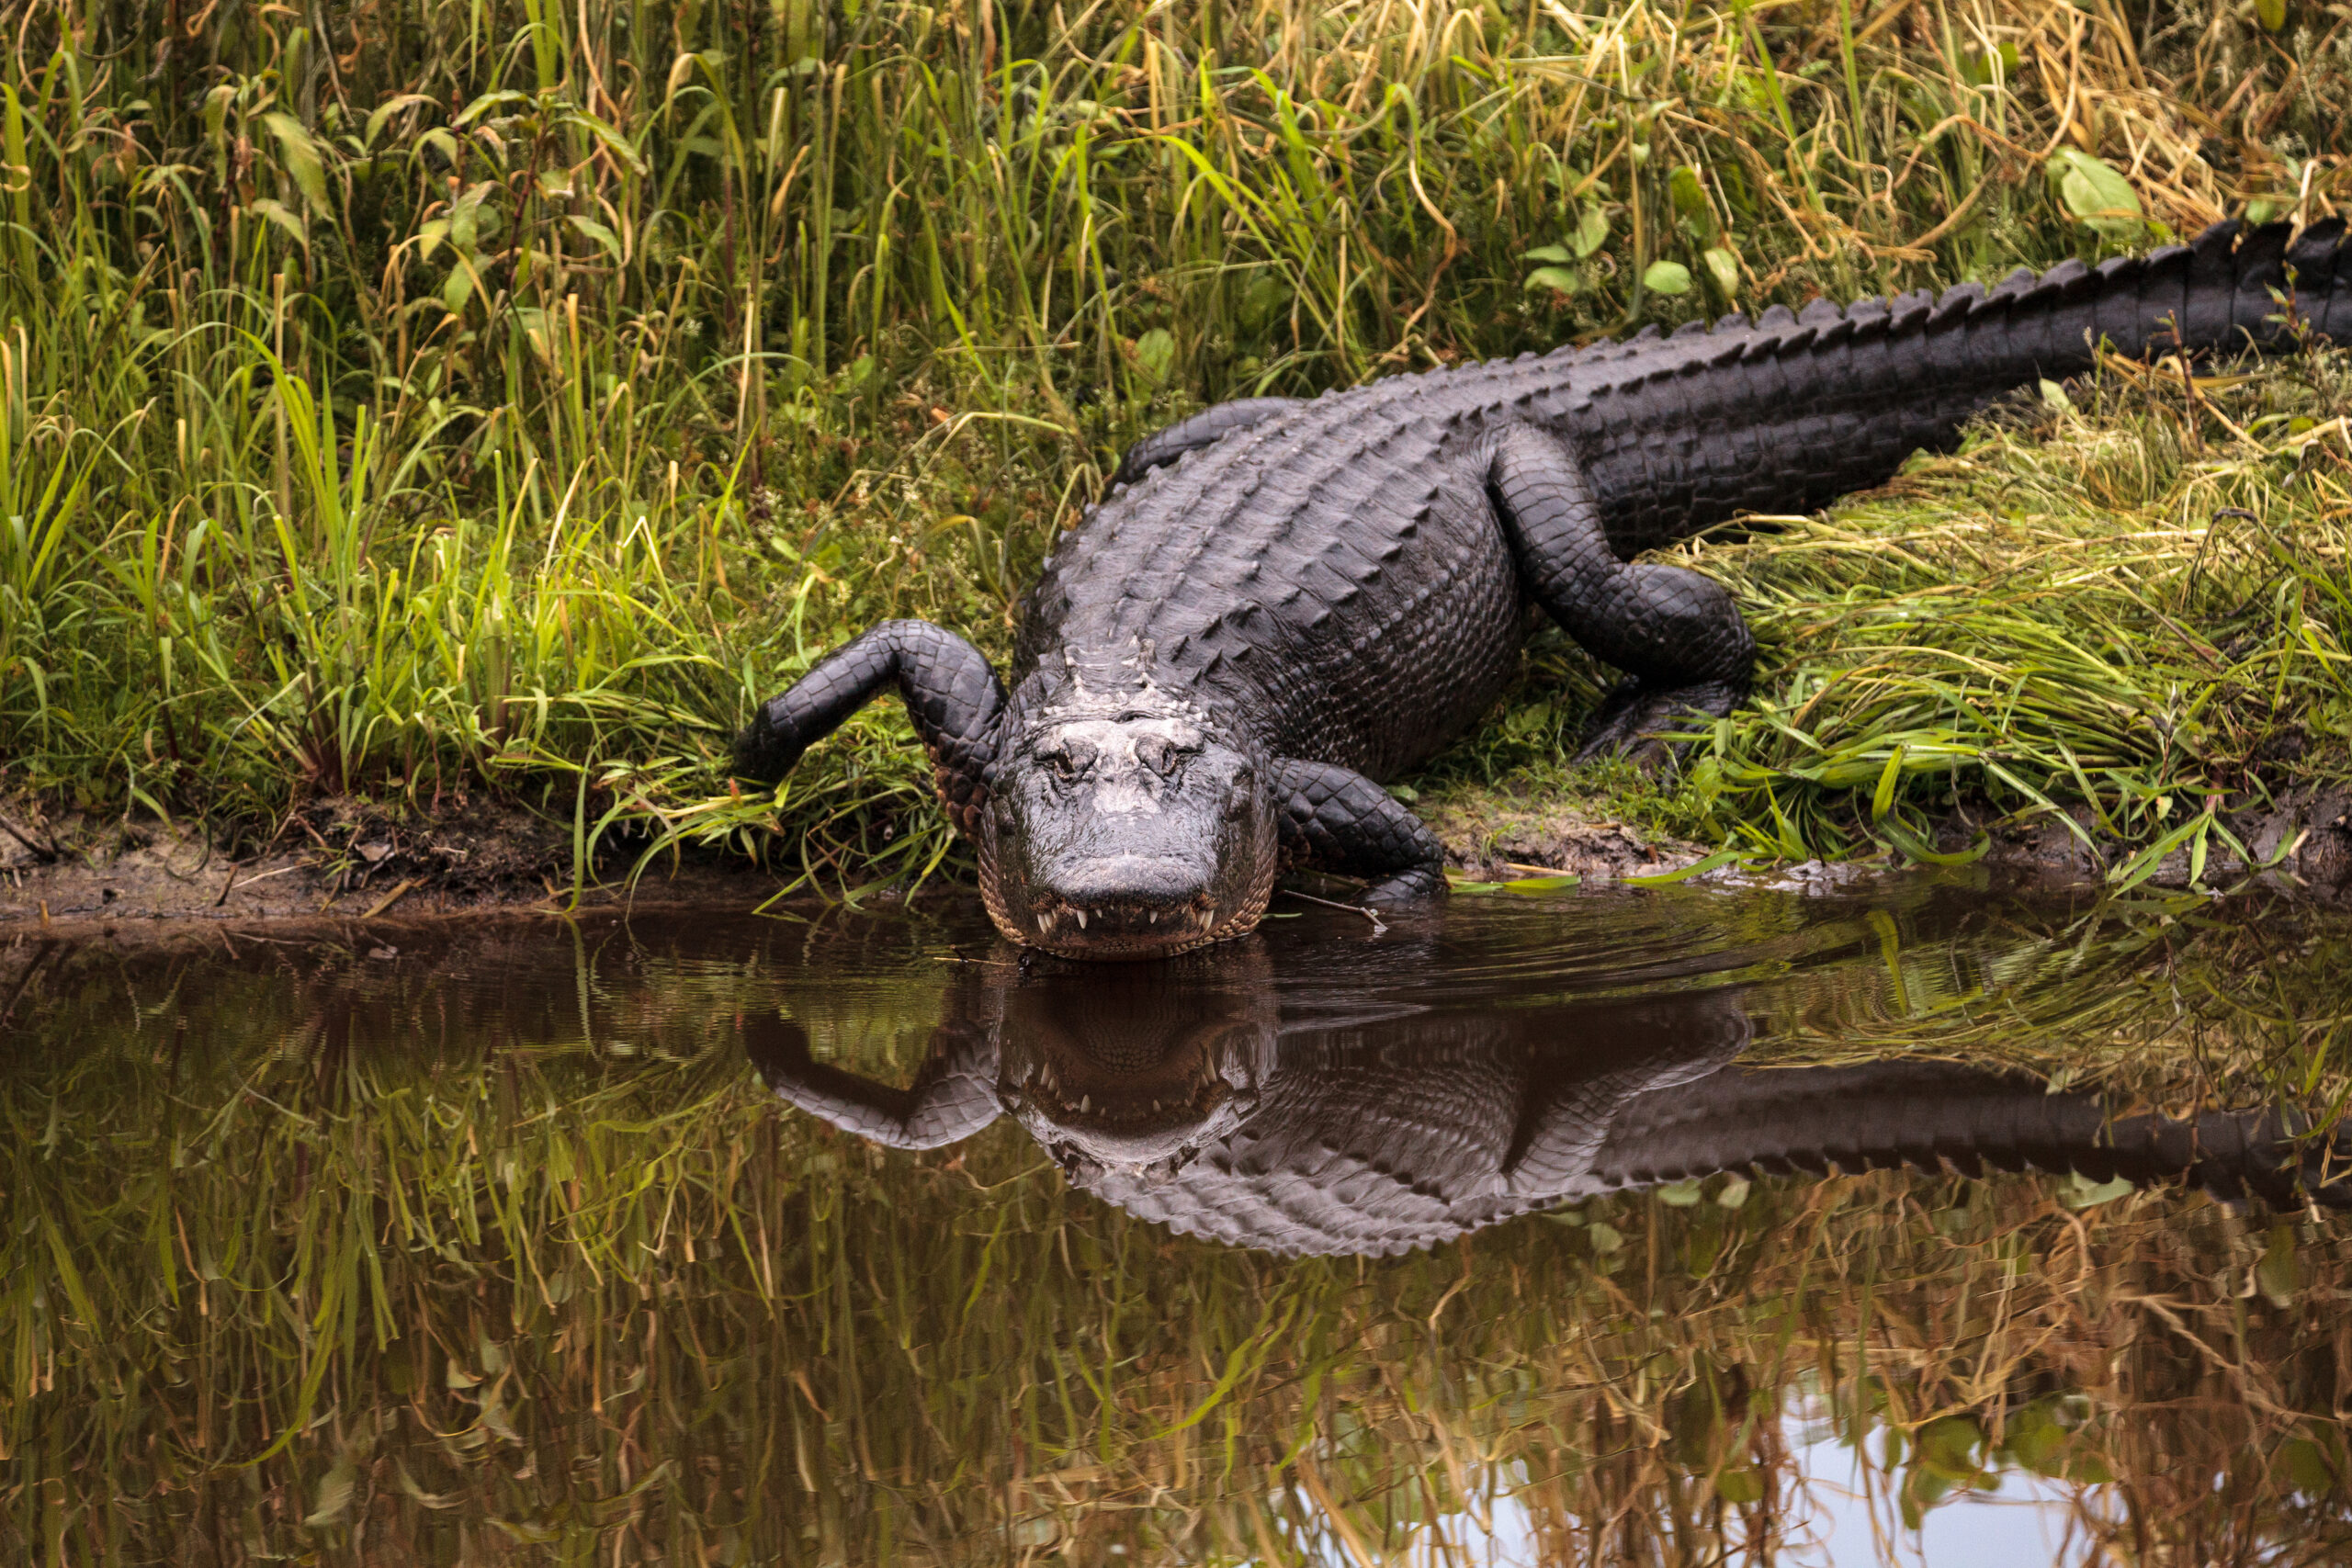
(1085, 1104)
(1153, 916)
(1045, 926)
(1082, 918)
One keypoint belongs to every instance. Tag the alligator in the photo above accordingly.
(1188, 1098)
(1281, 605)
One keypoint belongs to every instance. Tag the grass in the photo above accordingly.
(407, 398)
(498, 1254)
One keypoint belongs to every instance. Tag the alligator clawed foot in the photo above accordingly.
(1638, 721)
(1406, 890)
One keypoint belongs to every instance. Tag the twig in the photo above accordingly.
(394, 897)
(1378, 927)
(45, 857)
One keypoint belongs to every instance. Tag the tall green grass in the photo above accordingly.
(403, 396)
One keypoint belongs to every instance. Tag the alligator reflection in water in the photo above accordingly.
(479, 1244)
(1186, 1093)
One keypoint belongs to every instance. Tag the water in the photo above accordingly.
(858, 1237)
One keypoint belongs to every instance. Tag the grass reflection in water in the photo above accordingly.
(494, 1250)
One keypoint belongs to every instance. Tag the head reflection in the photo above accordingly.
(1282, 1102)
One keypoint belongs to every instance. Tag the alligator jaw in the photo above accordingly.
(1113, 927)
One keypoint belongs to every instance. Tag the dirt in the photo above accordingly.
(335, 859)
(344, 860)
(2301, 845)
(1496, 836)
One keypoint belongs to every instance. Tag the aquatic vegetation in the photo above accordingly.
(489, 1249)
(412, 397)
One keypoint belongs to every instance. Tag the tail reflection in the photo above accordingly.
(1225, 1101)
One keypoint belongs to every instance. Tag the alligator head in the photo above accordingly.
(1124, 820)
(1140, 1068)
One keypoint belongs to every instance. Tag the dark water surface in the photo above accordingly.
(1690, 1226)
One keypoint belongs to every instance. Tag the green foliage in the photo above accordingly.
(412, 397)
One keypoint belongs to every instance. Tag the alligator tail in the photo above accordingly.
(1890, 1113)
(1788, 413)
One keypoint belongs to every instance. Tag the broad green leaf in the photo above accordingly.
(602, 235)
(1888, 779)
(1547, 253)
(1155, 354)
(278, 213)
(1666, 277)
(1689, 195)
(2102, 198)
(1559, 279)
(1724, 268)
(1721, 858)
(2271, 14)
(302, 160)
(1739, 1487)
(1592, 232)
(385, 110)
(487, 102)
(216, 109)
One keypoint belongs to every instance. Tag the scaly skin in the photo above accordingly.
(1211, 1115)
(1291, 602)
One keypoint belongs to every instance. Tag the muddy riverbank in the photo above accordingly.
(343, 858)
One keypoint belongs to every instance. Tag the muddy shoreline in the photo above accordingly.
(345, 861)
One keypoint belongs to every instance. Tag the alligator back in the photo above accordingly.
(1334, 578)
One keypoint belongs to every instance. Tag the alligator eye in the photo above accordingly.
(1158, 753)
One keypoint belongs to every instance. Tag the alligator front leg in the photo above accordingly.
(1333, 820)
(1206, 428)
(951, 693)
(1677, 635)
(952, 1096)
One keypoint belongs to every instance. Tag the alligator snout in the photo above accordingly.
(1127, 898)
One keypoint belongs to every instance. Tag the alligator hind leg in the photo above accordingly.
(1337, 820)
(951, 693)
(1206, 428)
(1677, 634)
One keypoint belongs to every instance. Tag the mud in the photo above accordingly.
(340, 861)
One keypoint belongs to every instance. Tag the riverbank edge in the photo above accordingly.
(345, 859)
